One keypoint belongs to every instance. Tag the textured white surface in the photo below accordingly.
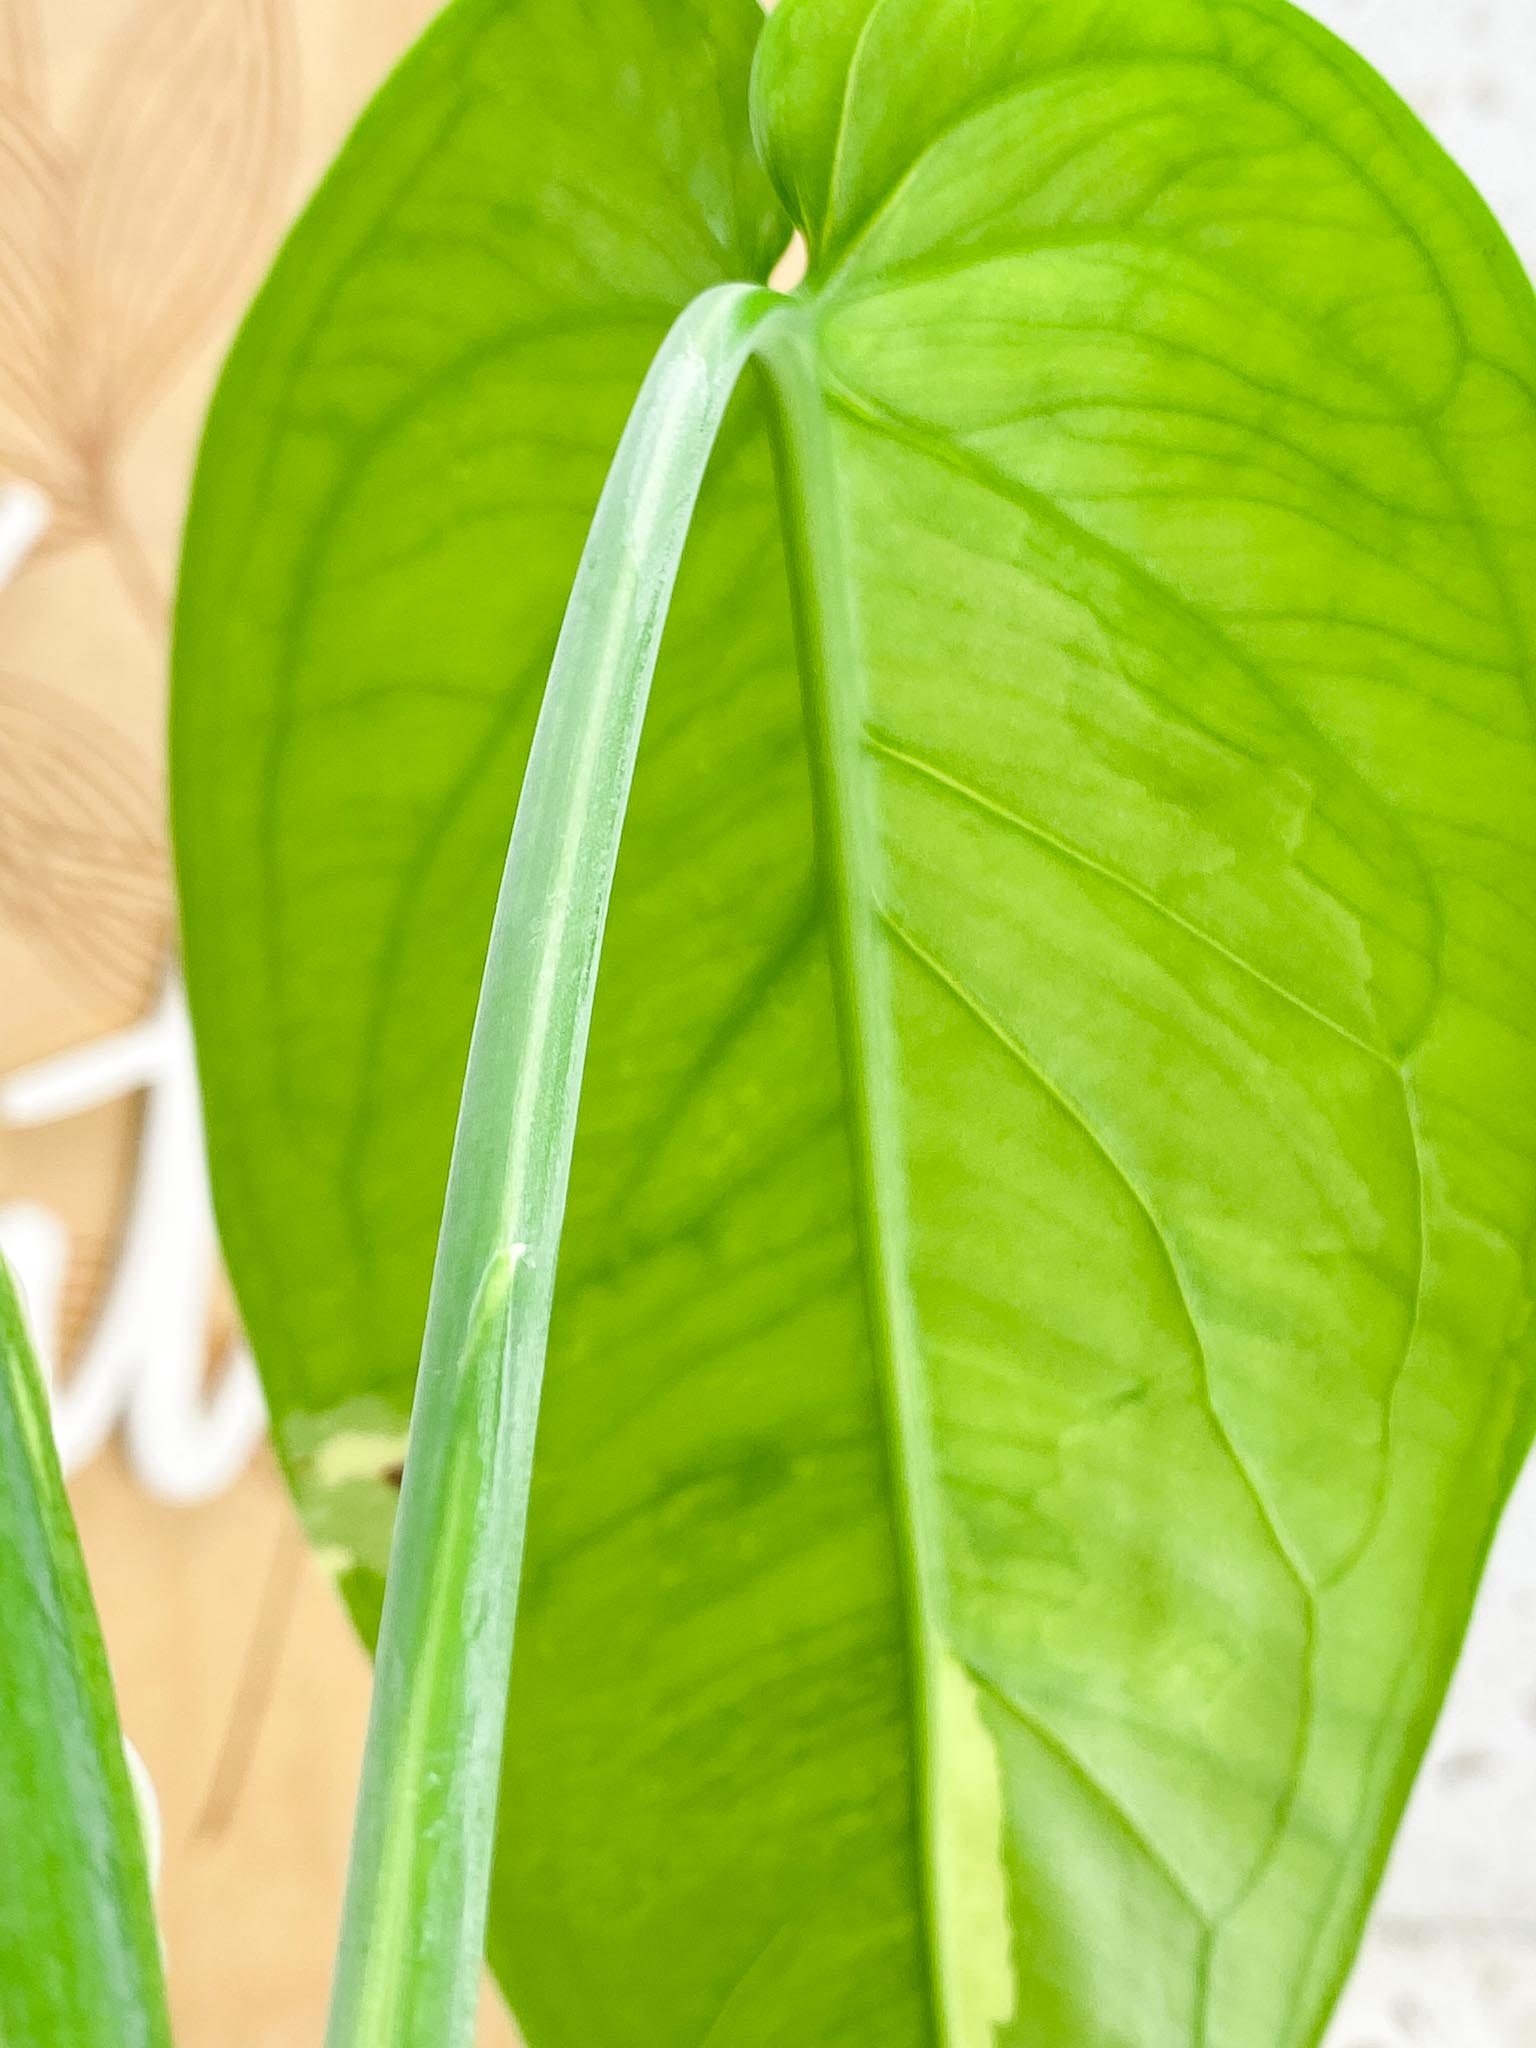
(1450, 1961)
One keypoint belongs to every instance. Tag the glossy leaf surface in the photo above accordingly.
(79, 1952)
(1042, 1333)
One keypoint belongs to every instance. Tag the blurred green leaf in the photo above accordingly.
(79, 1952)
(1043, 1330)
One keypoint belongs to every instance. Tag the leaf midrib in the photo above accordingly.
(833, 697)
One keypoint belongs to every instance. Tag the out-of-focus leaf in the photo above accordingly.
(79, 1952)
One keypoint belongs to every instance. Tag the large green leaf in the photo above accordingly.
(1042, 1333)
(79, 1953)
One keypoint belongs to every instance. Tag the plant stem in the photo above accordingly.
(414, 1922)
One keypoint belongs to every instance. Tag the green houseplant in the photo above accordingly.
(1041, 1334)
